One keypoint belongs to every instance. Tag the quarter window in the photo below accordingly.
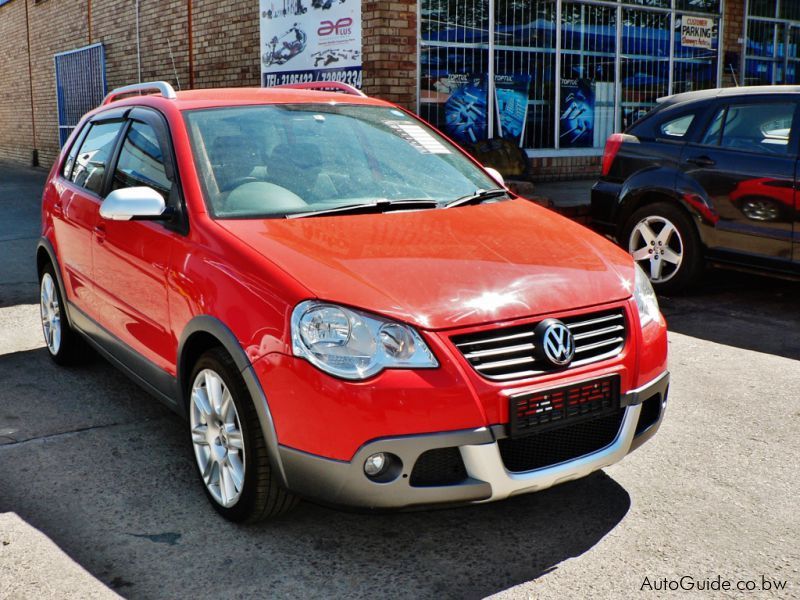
(677, 128)
(92, 159)
(141, 162)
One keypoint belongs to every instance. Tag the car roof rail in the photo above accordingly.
(325, 86)
(165, 89)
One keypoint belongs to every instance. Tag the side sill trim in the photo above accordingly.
(142, 371)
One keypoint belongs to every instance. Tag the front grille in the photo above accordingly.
(549, 408)
(509, 353)
(442, 466)
(555, 446)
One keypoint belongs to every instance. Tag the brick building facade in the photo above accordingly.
(211, 43)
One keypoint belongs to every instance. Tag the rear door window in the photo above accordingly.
(764, 128)
(92, 159)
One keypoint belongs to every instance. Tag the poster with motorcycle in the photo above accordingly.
(310, 40)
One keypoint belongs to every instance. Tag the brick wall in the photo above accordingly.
(389, 47)
(16, 132)
(55, 27)
(564, 168)
(733, 31)
(226, 40)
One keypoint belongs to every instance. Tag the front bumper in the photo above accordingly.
(344, 483)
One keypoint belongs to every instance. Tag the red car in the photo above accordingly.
(342, 303)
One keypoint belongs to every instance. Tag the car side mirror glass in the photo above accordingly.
(134, 203)
(495, 174)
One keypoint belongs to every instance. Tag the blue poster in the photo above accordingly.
(465, 111)
(511, 102)
(577, 113)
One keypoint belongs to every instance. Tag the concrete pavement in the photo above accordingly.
(100, 478)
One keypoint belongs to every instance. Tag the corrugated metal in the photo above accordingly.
(80, 85)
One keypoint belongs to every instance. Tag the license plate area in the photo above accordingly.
(533, 412)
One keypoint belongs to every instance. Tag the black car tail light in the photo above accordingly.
(613, 144)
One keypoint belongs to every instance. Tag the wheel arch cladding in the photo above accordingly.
(46, 254)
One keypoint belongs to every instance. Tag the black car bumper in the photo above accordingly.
(605, 204)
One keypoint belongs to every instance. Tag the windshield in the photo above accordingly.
(279, 160)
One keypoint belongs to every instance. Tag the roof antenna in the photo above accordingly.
(733, 74)
(174, 70)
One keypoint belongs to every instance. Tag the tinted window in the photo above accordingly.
(676, 128)
(763, 128)
(141, 162)
(73, 152)
(92, 159)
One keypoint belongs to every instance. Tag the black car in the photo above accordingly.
(706, 176)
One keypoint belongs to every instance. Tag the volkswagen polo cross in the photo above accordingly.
(342, 304)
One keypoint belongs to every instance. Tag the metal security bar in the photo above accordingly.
(772, 36)
(80, 85)
(560, 74)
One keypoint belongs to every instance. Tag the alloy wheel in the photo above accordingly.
(50, 312)
(217, 438)
(657, 246)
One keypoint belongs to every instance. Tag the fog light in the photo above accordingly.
(375, 464)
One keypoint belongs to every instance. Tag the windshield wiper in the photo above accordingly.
(377, 206)
(476, 198)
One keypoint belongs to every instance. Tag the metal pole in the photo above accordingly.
(671, 78)
(419, 56)
(138, 46)
(721, 43)
(490, 87)
(557, 83)
(618, 74)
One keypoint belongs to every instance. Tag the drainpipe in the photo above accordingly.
(35, 153)
(138, 46)
(191, 43)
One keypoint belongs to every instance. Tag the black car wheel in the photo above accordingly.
(663, 240)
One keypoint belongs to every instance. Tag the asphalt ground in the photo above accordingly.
(98, 495)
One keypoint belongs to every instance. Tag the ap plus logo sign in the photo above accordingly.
(341, 27)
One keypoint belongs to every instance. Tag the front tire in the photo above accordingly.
(663, 240)
(228, 445)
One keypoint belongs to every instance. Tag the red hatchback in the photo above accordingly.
(342, 303)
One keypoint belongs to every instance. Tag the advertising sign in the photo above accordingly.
(697, 32)
(462, 103)
(577, 113)
(511, 102)
(310, 40)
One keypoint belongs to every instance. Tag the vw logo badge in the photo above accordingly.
(556, 342)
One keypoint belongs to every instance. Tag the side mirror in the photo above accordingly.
(496, 175)
(133, 203)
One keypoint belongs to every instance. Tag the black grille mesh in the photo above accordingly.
(441, 466)
(559, 445)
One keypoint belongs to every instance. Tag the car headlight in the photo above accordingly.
(351, 344)
(645, 296)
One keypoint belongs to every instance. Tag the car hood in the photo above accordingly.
(445, 268)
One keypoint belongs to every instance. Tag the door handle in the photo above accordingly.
(100, 233)
(701, 161)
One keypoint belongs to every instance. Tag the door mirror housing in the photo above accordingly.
(134, 203)
(495, 174)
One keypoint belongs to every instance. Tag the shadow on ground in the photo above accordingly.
(106, 474)
(739, 309)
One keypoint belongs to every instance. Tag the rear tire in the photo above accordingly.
(663, 241)
(228, 445)
(63, 343)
